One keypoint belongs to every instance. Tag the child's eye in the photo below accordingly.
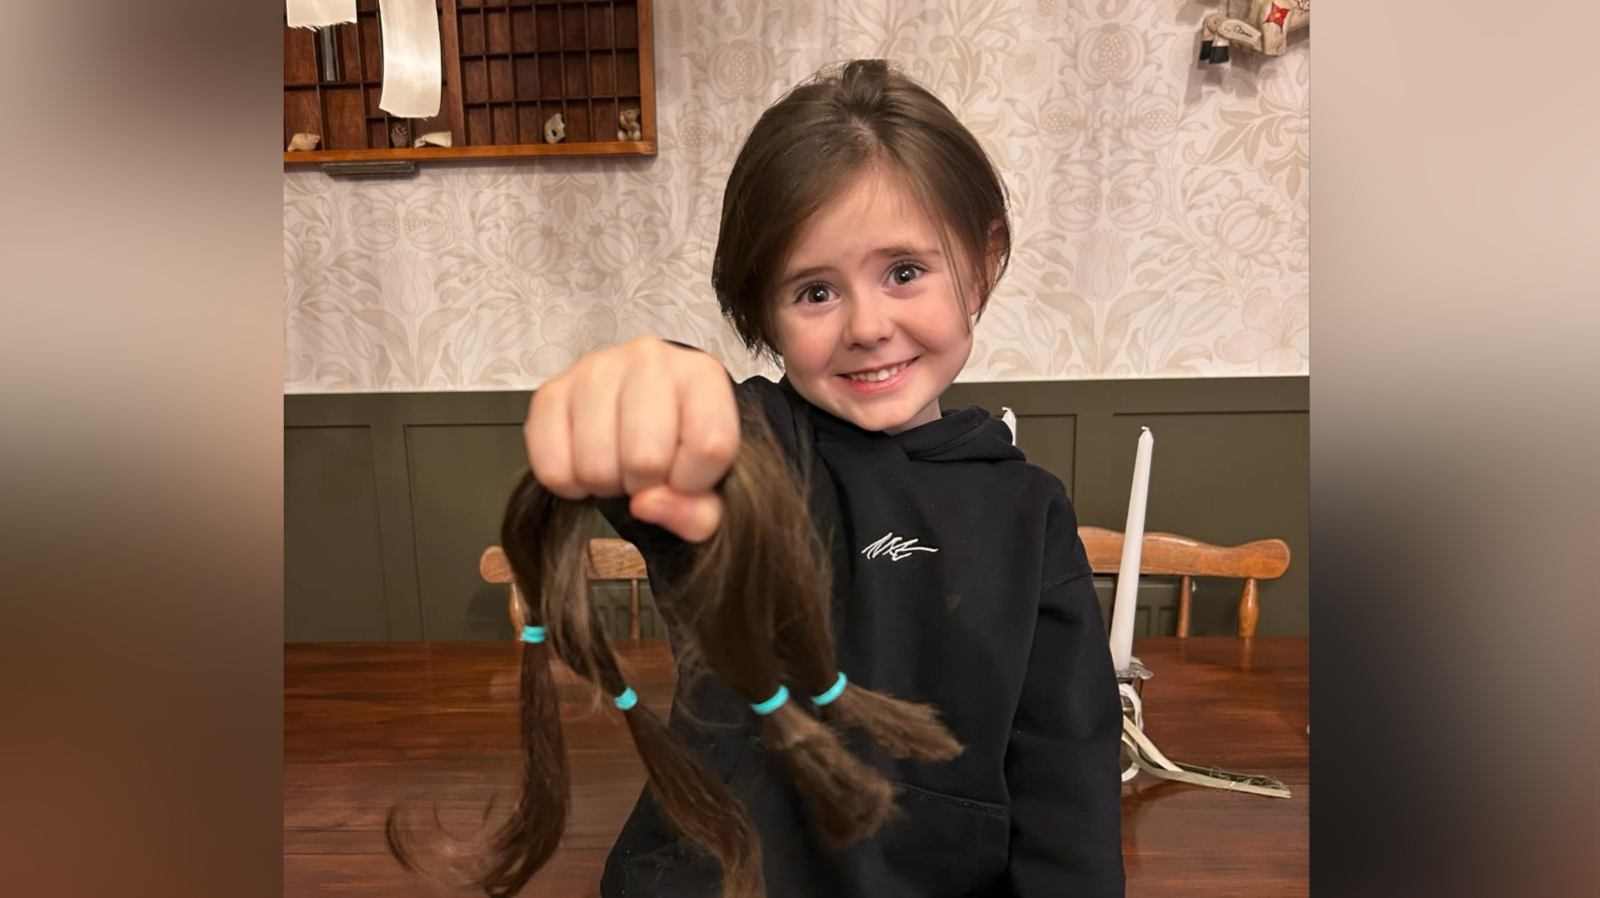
(904, 273)
(814, 294)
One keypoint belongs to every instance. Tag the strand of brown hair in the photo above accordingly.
(502, 862)
(551, 566)
(744, 575)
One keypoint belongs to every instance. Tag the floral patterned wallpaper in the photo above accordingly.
(1160, 205)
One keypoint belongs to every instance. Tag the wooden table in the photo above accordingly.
(369, 724)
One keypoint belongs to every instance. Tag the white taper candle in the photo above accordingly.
(1124, 607)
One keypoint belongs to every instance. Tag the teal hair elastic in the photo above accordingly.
(627, 699)
(772, 704)
(533, 634)
(833, 692)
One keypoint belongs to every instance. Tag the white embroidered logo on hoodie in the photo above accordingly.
(895, 547)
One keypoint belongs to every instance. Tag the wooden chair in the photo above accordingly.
(1167, 554)
(609, 559)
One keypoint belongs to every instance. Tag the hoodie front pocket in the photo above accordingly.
(942, 846)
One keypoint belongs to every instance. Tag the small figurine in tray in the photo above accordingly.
(630, 130)
(555, 129)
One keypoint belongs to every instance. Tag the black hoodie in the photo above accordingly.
(960, 581)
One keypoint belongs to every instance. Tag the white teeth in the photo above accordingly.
(875, 376)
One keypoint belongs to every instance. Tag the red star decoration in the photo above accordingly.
(1277, 15)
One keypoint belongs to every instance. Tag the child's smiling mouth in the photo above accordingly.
(885, 377)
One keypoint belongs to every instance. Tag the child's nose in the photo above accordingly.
(869, 322)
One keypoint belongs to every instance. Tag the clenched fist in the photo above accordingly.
(648, 419)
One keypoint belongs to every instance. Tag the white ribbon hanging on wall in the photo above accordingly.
(413, 73)
(319, 13)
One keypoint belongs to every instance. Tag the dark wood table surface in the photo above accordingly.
(366, 725)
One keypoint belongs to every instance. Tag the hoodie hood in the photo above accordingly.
(968, 434)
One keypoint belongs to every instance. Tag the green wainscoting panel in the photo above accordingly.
(333, 583)
(461, 475)
(391, 497)
(1049, 441)
(1157, 611)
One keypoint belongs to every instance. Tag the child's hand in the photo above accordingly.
(649, 419)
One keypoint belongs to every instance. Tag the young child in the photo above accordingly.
(863, 229)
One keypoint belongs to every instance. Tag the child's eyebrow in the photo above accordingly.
(901, 251)
(804, 273)
(881, 252)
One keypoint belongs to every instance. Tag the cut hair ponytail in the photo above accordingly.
(756, 598)
(503, 862)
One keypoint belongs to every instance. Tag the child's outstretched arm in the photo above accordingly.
(1062, 765)
(646, 419)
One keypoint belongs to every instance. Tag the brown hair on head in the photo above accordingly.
(811, 145)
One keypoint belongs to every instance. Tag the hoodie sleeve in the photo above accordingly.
(1062, 765)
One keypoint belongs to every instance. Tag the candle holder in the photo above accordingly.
(1130, 689)
(1142, 753)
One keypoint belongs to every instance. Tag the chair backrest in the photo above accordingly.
(609, 559)
(1168, 554)
(1163, 554)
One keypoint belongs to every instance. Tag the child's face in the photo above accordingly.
(868, 288)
